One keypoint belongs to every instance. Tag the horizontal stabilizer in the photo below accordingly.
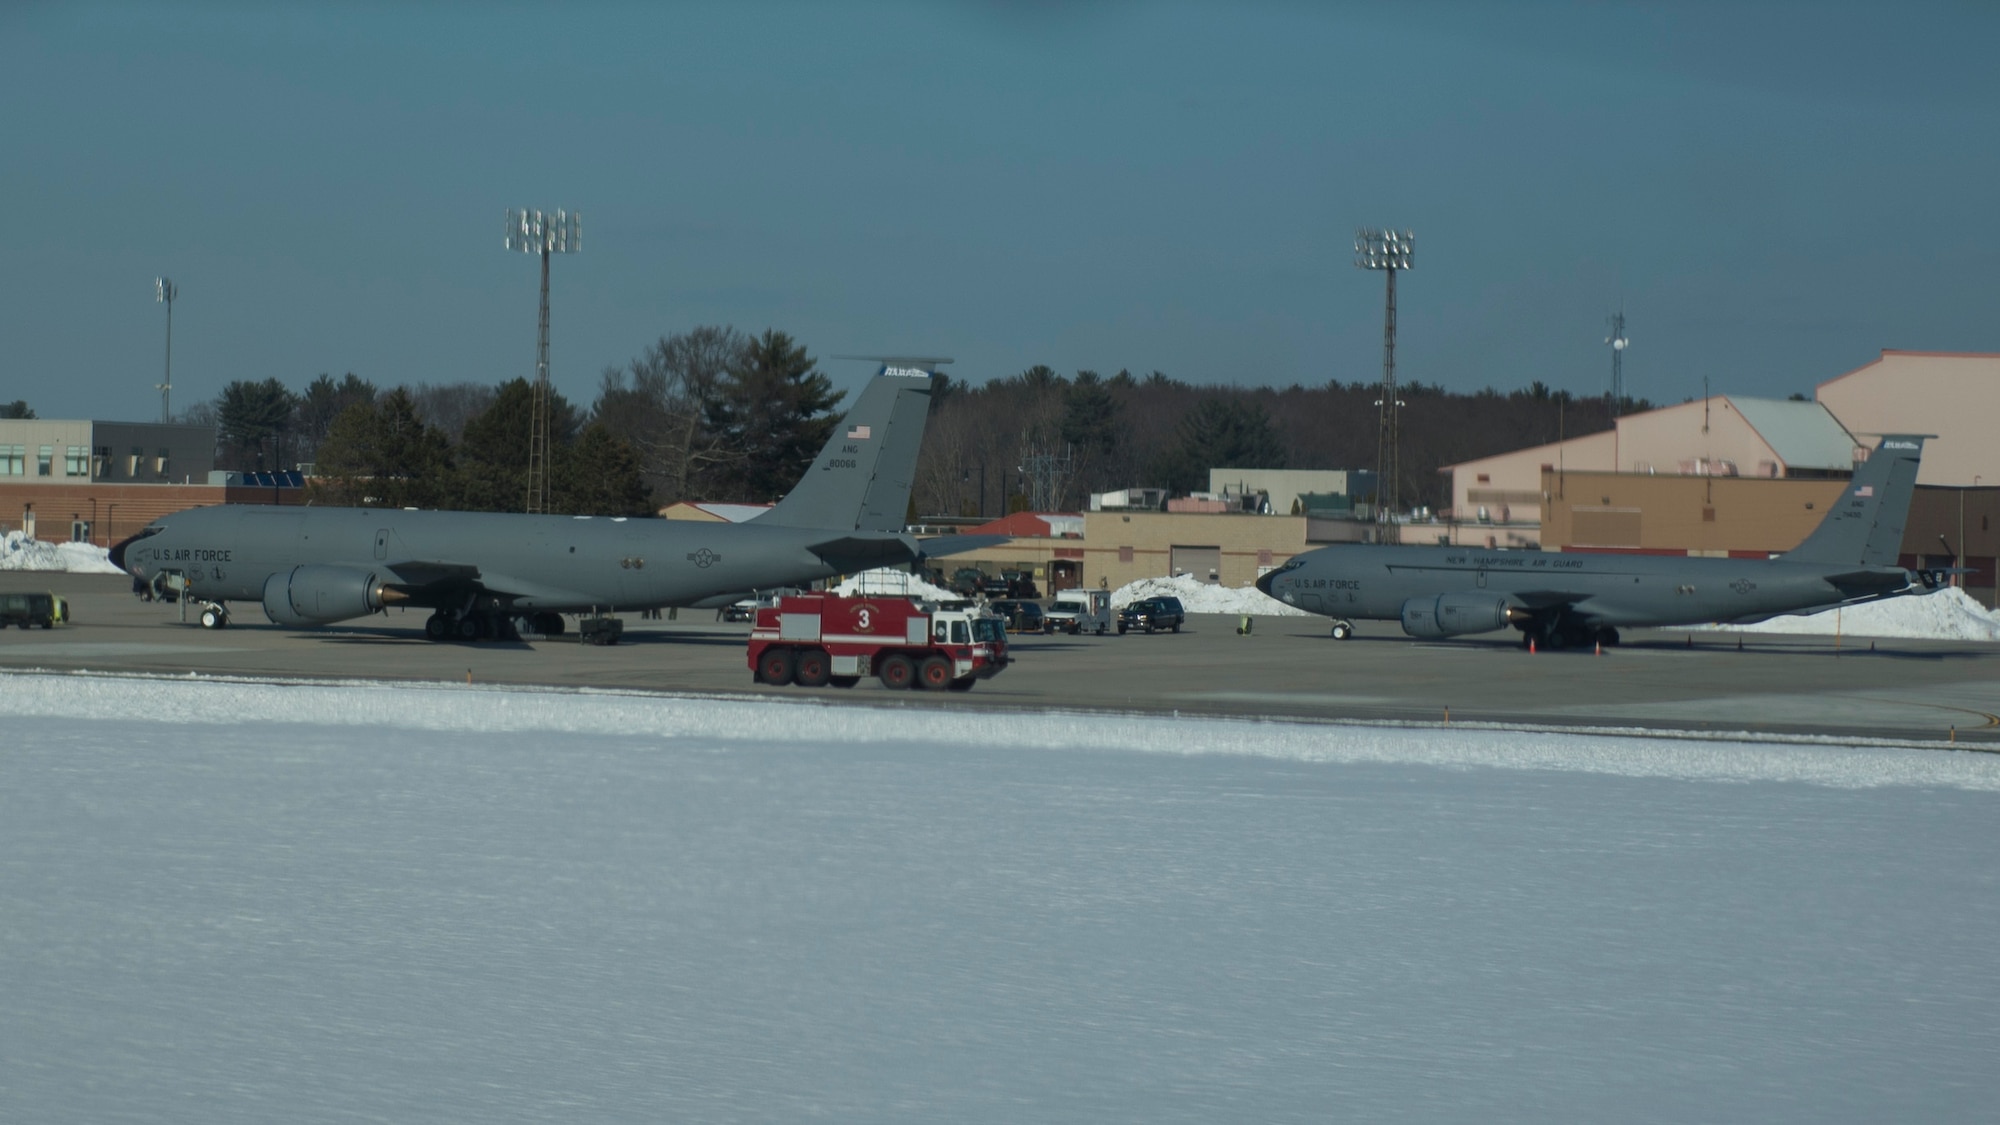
(938, 546)
(853, 553)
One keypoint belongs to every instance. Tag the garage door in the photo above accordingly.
(1205, 563)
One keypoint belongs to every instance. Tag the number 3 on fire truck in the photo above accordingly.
(861, 619)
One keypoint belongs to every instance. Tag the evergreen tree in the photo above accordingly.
(19, 408)
(1220, 432)
(775, 412)
(493, 453)
(382, 455)
(256, 425)
(323, 401)
(598, 475)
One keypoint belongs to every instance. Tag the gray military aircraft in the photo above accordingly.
(1560, 598)
(487, 574)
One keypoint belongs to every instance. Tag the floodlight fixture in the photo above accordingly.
(1384, 249)
(543, 233)
(1618, 341)
(164, 292)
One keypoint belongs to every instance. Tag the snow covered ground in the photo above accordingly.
(330, 902)
(17, 552)
(1949, 615)
(1201, 597)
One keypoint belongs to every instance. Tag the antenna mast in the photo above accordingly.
(1617, 341)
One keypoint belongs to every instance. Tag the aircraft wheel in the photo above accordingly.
(1343, 631)
(964, 684)
(549, 624)
(844, 681)
(897, 672)
(437, 627)
(813, 668)
(1607, 636)
(1555, 638)
(775, 666)
(467, 628)
(935, 673)
(213, 617)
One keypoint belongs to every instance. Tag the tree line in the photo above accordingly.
(714, 414)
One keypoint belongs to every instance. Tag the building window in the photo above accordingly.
(161, 467)
(1124, 554)
(44, 457)
(132, 467)
(76, 460)
(13, 460)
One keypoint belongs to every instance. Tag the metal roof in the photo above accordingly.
(1804, 435)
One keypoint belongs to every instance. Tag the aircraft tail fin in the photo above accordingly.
(1865, 527)
(861, 479)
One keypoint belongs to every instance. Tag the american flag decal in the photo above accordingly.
(1865, 490)
(858, 432)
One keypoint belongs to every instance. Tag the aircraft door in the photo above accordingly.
(382, 543)
(1482, 578)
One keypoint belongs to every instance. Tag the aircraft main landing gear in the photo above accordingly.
(1343, 630)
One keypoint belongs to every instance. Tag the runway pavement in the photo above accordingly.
(1287, 668)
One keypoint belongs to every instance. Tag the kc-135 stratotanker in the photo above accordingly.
(488, 574)
(1560, 598)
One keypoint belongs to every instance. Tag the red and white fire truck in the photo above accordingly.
(817, 639)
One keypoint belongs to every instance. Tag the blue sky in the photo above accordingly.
(1774, 192)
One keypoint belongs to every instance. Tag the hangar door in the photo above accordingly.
(1205, 563)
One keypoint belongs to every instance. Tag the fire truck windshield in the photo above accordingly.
(988, 630)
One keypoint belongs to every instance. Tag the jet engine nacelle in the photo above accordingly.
(1450, 615)
(316, 595)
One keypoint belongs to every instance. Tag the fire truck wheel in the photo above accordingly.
(844, 681)
(775, 666)
(935, 673)
(897, 672)
(813, 668)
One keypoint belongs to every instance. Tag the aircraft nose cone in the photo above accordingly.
(118, 551)
(1264, 582)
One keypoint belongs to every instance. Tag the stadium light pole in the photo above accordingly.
(164, 292)
(1388, 251)
(544, 233)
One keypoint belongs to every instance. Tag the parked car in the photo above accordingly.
(1020, 583)
(1152, 614)
(1021, 617)
(970, 581)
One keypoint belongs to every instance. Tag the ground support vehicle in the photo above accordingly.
(1152, 614)
(1081, 611)
(28, 610)
(817, 639)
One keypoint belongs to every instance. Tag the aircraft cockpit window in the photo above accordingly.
(959, 634)
(148, 533)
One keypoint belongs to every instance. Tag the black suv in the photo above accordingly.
(1151, 614)
(1022, 617)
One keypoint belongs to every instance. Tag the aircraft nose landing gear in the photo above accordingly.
(1343, 630)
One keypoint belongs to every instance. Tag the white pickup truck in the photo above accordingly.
(1080, 611)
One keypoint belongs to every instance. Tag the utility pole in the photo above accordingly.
(164, 293)
(544, 233)
(1389, 251)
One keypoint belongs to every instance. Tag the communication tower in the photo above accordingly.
(544, 233)
(1389, 251)
(164, 293)
(1617, 341)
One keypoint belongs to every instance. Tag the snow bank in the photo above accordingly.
(17, 552)
(161, 702)
(1203, 597)
(889, 580)
(1948, 615)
